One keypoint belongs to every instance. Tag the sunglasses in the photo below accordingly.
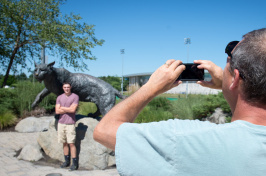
(229, 48)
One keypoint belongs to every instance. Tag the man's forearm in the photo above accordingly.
(59, 111)
(68, 109)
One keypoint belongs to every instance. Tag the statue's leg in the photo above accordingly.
(40, 97)
(96, 114)
(107, 105)
(108, 108)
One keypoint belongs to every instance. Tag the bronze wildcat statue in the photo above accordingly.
(88, 88)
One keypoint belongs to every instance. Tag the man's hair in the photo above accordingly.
(66, 83)
(249, 58)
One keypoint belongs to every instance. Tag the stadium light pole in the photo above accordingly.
(122, 83)
(187, 41)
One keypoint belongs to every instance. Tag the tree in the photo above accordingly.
(21, 76)
(115, 81)
(10, 80)
(28, 25)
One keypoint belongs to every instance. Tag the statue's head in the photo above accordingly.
(42, 70)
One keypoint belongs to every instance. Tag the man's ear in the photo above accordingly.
(235, 80)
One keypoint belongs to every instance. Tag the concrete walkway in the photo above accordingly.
(10, 142)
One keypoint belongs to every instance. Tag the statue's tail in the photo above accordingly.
(119, 95)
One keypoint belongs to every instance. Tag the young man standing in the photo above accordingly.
(66, 106)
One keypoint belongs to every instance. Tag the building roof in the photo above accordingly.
(138, 74)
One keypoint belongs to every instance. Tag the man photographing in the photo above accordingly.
(66, 105)
(192, 147)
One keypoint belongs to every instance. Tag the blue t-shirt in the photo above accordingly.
(191, 147)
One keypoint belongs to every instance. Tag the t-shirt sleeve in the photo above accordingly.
(151, 148)
(58, 100)
(76, 100)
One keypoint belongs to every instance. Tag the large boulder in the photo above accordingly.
(34, 124)
(91, 154)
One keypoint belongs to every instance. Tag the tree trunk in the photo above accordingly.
(12, 58)
(9, 67)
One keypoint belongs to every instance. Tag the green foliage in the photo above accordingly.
(115, 81)
(193, 107)
(151, 114)
(26, 93)
(161, 103)
(209, 104)
(21, 77)
(158, 109)
(27, 25)
(7, 118)
(85, 108)
(8, 100)
(183, 107)
(10, 80)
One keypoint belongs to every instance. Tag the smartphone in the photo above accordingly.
(191, 73)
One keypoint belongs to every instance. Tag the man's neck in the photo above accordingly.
(68, 94)
(250, 113)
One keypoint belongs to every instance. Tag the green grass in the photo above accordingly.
(183, 107)
(7, 119)
(26, 93)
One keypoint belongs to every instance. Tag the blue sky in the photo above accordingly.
(153, 31)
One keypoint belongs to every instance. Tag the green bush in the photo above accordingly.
(10, 80)
(115, 81)
(157, 110)
(161, 102)
(209, 104)
(85, 108)
(7, 118)
(151, 114)
(8, 100)
(26, 93)
(193, 107)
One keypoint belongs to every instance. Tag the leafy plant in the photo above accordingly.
(7, 118)
(161, 102)
(86, 108)
(209, 104)
(7, 100)
(158, 109)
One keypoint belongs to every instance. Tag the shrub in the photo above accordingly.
(151, 114)
(25, 94)
(161, 102)
(209, 104)
(7, 100)
(85, 108)
(157, 110)
(183, 107)
(7, 119)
